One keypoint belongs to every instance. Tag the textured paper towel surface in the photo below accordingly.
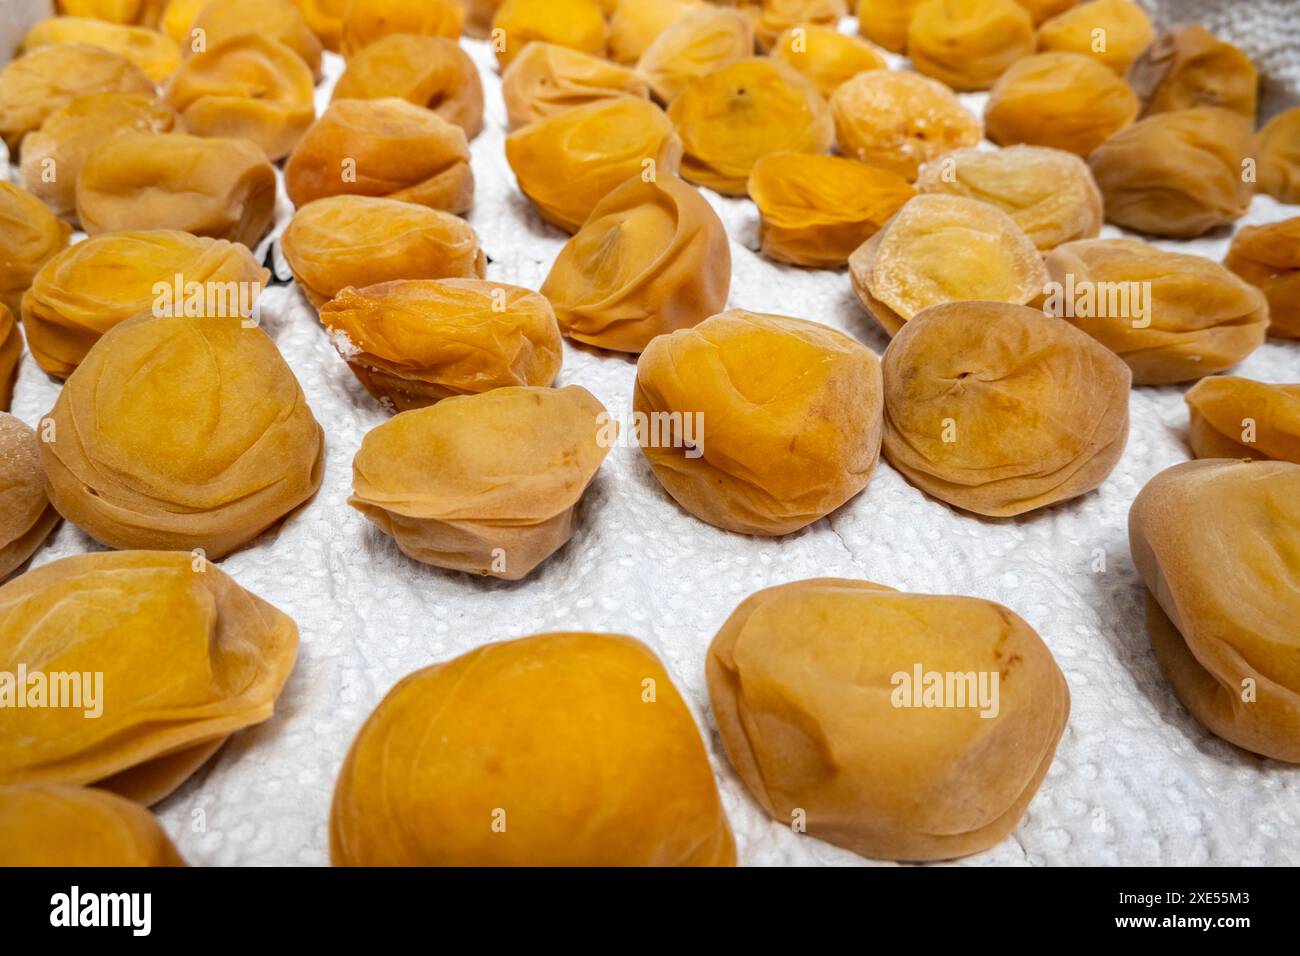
(1136, 780)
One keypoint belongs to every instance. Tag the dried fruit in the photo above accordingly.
(359, 241)
(940, 249)
(885, 22)
(546, 79)
(1062, 100)
(898, 120)
(223, 188)
(227, 654)
(364, 23)
(1233, 417)
(157, 55)
(815, 210)
(1215, 543)
(1048, 193)
(968, 44)
(325, 19)
(181, 433)
(814, 686)
(1176, 174)
(1041, 10)
(699, 43)
(26, 516)
(48, 79)
(653, 257)
(141, 12)
(532, 734)
(1189, 67)
(486, 483)
(759, 424)
(29, 238)
(1000, 410)
(775, 17)
(432, 72)
(178, 20)
(94, 285)
(579, 24)
(1268, 257)
(734, 116)
(11, 354)
(635, 24)
(1113, 32)
(568, 162)
(1172, 317)
(1277, 150)
(386, 148)
(279, 20)
(55, 825)
(826, 56)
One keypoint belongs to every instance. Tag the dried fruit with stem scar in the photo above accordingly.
(11, 354)
(968, 44)
(1277, 150)
(885, 22)
(826, 56)
(29, 237)
(700, 42)
(278, 20)
(364, 23)
(579, 24)
(1189, 67)
(26, 515)
(44, 824)
(1113, 32)
(546, 79)
(157, 55)
(1232, 417)
(1268, 257)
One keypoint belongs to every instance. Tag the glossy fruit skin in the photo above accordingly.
(26, 516)
(1268, 257)
(30, 236)
(700, 42)
(1234, 417)
(1277, 147)
(1189, 67)
(826, 56)
(968, 44)
(64, 826)
(546, 79)
(1127, 31)
(885, 22)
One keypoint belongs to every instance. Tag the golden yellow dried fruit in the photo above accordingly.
(178, 20)
(568, 162)
(103, 622)
(11, 354)
(1176, 174)
(940, 249)
(814, 685)
(1062, 100)
(278, 20)
(29, 237)
(815, 210)
(898, 120)
(968, 44)
(759, 424)
(487, 483)
(826, 56)
(651, 258)
(546, 79)
(94, 285)
(885, 22)
(1215, 543)
(26, 515)
(412, 342)
(1113, 32)
(700, 42)
(49, 78)
(1041, 10)
(635, 24)
(1189, 67)
(386, 148)
(364, 23)
(157, 55)
(55, 825)
(532, 733)
(223, 188)
(775, 17)
(325, 19)
(1233, 417)
(1172, 317)
(579, 24)
(140, 12)
(1268, 257)
(182, 433)
(1277, 151)
(1048, 193)
(432, 72)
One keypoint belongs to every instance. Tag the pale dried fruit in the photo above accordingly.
(536, 733)
(815, 210)
(635, 24)
(1062, 100)
(413, 342)
(826, 56)
(486, 483)
(1172, 317)
(1233, 417)
(223, 188)
(731, 118)
(898, 120)
(11, 354)
(1189, 67)
(56, 825)
(1176, 174)
(325, 18)
(1048, 193)
(279, 20)
(546, 79)
(142, 12)
(1268, 257)
(364, 23)
(759, 424)
(999, 409)
(26, 515)
(157, 55)
(224, 656)
(699, 43)
(885, 22)
(816, 687)
(386, 147)
(432, 72)
(1113, 32)
(568, 162)
(940, 249)
(29, 237)
(1277, 151)
(181, 433)
(968, 44)
(1041, 10)
(96, 284)
(775, 17)
(1215, 543)
(578, 24)
(652, 258)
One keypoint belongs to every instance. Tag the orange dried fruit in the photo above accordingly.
(280, 20)
(45, 824)
(1277, 152)
(157, 55)
(364, 23)
(885, 22)
(634, 25)
(29, 237)
(578, 24)
(704, 40)
(1268, 257)
(11, 355)
(1232, 417)
(546, 79)
(1189, 67)
(774, 17)
(26, 515)
(968, 44)
(1113, 32)
(826, 56)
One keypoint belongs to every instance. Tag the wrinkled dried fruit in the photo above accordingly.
(1189, 67)
(578, 24)
(94, 285)
(885, 22)
(1215, 543)
(56, 825)
(999, 409)
(1113, 32)
(759, 424)
(29, 237)
(537, 732)
(223, 188)
(546, 79)
(1277, 150)
(1172, 317)
(26, 515)
(486, 483)
(413, 342)
(141, 12)
(968, 44)
(733, 117)
(775, 17)
(48, 79)
(817, 687)
(652, 258)
(432, 72)
(1268, 257)
(1062, 100)
(1235, 417)
(1041, 10)
(1048, 193)
(386, 148)
(635, 25)
(154, 53)
(699, 43)
(227, 653)
(815, 210)
(364, 23)
(11, 354)
(278, 20)
(181, 433)
(178, 19)
(826, 56)
(53, 155)
(568, 162)
(325, 19)
(898, 120)
(941, 249)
